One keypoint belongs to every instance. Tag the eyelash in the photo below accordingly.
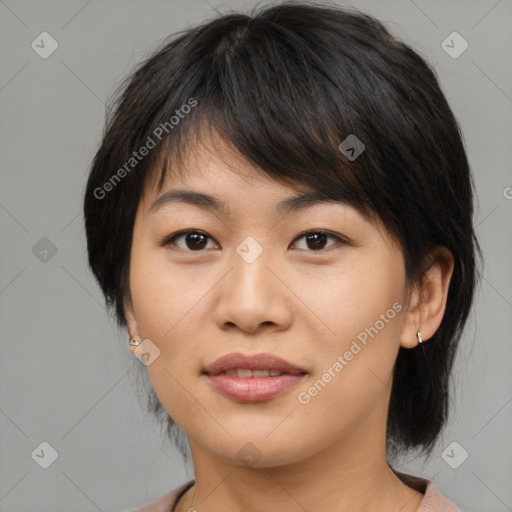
(169, 240)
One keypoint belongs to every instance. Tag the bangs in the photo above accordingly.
(274, 105)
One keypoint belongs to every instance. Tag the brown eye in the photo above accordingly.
(193, 240)
(317, 240)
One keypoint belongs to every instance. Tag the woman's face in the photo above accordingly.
(248, 281)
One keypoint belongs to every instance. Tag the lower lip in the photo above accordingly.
(254, 389)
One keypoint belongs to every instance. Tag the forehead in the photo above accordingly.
(214, 185)
(215, 177)
(217, 170)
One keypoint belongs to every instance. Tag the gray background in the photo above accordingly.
(66, 375)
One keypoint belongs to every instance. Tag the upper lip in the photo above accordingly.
(235, 361)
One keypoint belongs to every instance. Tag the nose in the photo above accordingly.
(253, 296)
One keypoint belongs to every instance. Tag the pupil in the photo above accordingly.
(315, 239)
(195, 239)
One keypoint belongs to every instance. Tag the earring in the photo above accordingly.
(420, 339)
(134, 342)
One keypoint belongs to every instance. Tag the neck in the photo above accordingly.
(344, 477)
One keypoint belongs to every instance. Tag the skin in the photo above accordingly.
(300, 303)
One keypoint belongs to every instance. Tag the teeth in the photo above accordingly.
(260, 373)
(245, 373)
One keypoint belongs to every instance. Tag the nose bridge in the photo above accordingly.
(252, 294)
(251, 274)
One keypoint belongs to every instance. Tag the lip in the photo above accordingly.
(253, 389)
(237, 360)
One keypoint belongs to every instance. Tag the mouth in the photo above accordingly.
(256, 365)
(253, 378)
(245, 373)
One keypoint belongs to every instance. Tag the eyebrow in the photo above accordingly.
(211, 203)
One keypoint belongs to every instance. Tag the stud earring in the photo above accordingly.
(420, 339)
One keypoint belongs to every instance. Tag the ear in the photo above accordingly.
(131, 322)
(427, 304)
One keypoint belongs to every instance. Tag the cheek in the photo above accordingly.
(354, 367)
(349, 301)
(362, 312)
(165, 300)
(162, 294)
(171, 306)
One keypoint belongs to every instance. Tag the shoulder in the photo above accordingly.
(434, 501)
(166, 502)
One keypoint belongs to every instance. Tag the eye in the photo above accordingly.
(194, 240)
(316, 240)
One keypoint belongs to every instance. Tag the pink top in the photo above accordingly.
(432, 501)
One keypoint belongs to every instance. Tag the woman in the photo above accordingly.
(280, 216)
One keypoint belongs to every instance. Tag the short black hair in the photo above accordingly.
(284, 86)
